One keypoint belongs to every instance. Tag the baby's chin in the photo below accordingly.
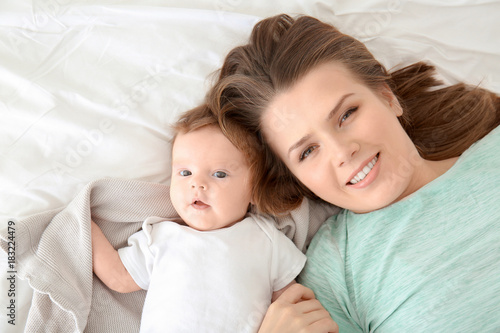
(206, 225)
(200, 223)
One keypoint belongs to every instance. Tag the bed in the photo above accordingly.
(89, 88)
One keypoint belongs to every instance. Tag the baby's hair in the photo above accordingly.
(194, 119)
(244, 141)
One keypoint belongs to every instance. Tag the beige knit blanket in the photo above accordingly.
(54, 253)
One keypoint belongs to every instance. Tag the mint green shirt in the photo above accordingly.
(428, 263)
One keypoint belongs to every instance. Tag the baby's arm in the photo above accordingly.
(278, 293)
(108, 265)
(294, 308)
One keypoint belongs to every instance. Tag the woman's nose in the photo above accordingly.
(342, 150)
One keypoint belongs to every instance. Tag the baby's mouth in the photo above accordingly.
(198, 204)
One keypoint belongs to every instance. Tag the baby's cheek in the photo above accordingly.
(176, 196)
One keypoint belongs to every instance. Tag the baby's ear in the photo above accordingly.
(391, 99)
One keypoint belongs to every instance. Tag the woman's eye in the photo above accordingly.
(220, 174)
(347, 114)
(306, 153)
(185, 173)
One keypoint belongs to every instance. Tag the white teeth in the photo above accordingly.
(362, 174)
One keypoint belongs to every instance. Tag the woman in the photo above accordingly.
(416, 247)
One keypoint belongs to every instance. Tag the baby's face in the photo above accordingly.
(210, 187)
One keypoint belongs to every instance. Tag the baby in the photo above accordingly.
(219, 268)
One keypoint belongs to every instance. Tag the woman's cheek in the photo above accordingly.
(312, 177)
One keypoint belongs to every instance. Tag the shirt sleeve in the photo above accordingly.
(325, 274)
(138, 258)
(287, 260)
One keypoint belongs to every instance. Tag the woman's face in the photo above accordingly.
(342, 140)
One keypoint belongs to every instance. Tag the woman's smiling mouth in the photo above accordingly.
(359, 177)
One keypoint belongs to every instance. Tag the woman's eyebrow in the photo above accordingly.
(298, 144)
(330, 116)
(338, 106)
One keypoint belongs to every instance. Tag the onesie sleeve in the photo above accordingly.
(287, 260)
(138, 258)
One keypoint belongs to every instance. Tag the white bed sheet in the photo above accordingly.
(88, 88)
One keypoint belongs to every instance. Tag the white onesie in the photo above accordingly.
(209, 281)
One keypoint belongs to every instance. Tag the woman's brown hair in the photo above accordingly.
(441, 121)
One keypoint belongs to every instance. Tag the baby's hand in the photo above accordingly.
(297, 310)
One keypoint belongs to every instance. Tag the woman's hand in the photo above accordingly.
(297, 310)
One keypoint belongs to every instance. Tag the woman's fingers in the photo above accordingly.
(309, 306)
(314, 315)
(324, 325)
(296, 293)
(286, 319)
(298, 310)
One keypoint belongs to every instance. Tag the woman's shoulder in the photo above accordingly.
(334, 228)
(490, 140)
(483, 153)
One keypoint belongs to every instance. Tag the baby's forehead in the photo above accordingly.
(206, 144)
(210, 137)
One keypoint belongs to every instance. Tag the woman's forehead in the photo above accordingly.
(319, 89)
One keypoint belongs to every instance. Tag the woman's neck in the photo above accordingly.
(427, 172)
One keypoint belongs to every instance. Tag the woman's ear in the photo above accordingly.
(391, 99)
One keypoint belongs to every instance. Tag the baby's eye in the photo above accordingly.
(220, 174)
(185, 173)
